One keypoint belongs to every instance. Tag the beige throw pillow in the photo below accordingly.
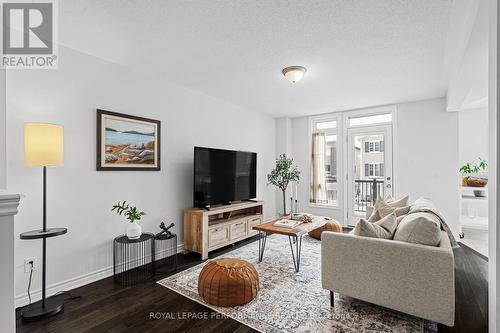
(382, 209)
(403, 202)
(383, 228)
(419, 228)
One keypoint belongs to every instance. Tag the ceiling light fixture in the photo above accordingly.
(294, 73)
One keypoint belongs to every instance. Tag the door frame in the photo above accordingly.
(346, 115)
(386, 131)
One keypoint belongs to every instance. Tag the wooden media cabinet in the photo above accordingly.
(207, 230)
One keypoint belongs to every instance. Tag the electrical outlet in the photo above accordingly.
(27, 264)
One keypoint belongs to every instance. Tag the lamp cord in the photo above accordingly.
(62, 292)
(29, 282)
(71, 297)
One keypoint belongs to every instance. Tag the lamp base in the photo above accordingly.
(36, 311)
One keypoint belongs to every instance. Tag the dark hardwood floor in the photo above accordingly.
(107, 307)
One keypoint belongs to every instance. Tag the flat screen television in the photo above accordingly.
(223, 176)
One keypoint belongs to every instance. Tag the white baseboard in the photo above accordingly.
(69, 284)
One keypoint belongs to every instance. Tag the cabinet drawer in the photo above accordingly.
(253, 221)
(218, 235)
(238, 229)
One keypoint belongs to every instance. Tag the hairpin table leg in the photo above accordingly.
(262, 244)
(297, 240)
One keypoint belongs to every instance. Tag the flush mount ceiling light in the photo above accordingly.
(294, 73)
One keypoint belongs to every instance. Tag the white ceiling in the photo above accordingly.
(358, 53)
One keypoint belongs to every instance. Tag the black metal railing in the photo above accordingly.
(366, 192)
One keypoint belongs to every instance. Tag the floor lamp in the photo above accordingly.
(43, 146)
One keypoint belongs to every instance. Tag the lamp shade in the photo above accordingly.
(43, 145)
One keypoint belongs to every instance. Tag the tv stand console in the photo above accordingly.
(207, 230)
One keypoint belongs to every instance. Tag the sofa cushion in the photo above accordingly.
(384, 228)
(419, 228)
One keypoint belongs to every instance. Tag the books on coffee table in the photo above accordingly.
(287, 223)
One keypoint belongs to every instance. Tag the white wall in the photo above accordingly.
(426, 155)
(3, 143)
(79, 197)
(466, 57)
(284, 135)
(473, 135)
(283, 146)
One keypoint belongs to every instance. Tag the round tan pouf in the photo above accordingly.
(330, 225)
(228, 282)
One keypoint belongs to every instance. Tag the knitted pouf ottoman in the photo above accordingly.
(228, 282)
(330, 225)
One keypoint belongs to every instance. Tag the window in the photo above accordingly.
(370, 120)
(374, 170)
(324, 167)
(324, 124)
(374, 146)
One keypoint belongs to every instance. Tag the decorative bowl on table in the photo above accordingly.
(302, 217)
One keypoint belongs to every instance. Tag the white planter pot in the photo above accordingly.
(134, 231)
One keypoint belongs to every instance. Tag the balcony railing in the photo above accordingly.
(366, 193)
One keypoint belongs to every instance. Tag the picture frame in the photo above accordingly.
(127, 143)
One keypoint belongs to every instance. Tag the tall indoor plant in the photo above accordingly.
(283, 173)
(134, 230)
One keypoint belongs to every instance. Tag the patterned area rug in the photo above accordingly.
(295, 302)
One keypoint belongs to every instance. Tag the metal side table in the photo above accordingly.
(133, 259)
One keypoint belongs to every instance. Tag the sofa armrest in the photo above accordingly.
(412, 278)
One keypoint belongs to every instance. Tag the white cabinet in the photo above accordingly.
(473, 208)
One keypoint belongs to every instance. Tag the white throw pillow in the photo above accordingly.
(383, 228)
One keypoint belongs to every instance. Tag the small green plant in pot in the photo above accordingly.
(474, 174)
(283, 173)
(134, 230)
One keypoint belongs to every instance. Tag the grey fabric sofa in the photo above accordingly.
(411, 278)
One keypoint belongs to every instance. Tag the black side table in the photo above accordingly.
(166, 248)
(133, 259)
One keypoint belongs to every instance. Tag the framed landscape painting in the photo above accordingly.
(127, 142)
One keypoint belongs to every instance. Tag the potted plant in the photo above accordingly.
(474, 175)
(283, 173)
(134, 230)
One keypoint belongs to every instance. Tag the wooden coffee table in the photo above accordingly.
(294, 235)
